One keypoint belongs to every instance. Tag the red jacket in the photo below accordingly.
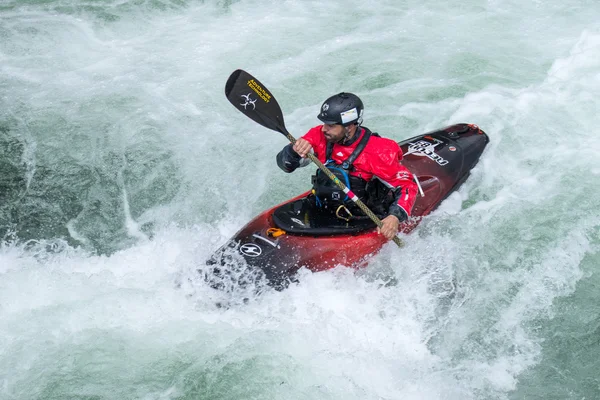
(380, 157)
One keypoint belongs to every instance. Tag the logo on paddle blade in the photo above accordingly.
(248, 101)
(250, 250)
(259, 90)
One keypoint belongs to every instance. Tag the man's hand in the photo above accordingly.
(389, 227)
(302, 147)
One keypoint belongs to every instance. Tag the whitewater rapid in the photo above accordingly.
(123, 167)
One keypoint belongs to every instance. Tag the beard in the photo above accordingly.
(331, 139)
(336, 139)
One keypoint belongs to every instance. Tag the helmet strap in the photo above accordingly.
(347, 133)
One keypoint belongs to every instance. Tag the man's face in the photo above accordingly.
(333, 133)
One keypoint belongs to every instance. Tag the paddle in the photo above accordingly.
(254, 100)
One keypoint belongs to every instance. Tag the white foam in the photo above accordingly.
(506, 236)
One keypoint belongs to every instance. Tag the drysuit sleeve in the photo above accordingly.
(288, 160)
(402, 198)
(405, 194)
(393, 174)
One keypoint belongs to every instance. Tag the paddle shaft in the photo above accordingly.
(341, 185)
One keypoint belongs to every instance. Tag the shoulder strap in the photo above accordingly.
(328, 151)
(372, 133)
(347, 164)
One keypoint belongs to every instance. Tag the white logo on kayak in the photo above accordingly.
(296, 220)
(248, 101)
(423, 148)
(250, 250)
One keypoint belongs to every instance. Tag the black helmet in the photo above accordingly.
(343, 108)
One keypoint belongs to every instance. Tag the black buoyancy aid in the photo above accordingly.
(327, 194)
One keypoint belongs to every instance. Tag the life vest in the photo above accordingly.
(327, 194)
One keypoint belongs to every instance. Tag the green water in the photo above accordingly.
(123, 167)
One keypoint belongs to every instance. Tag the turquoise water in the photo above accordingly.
(123, 167)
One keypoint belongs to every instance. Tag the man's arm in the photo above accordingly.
(288, 160)
(400, 181)
(404, 198)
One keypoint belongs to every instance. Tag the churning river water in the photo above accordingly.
(123, 167)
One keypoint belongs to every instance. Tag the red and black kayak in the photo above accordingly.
(288, 236)
(278, 242)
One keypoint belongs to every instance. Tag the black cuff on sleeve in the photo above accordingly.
(398, 212)
(287, 159)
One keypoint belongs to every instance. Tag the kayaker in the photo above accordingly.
(367, 163)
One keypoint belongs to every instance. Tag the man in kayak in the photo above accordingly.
(368, 164)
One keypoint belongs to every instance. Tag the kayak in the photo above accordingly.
(274, 245)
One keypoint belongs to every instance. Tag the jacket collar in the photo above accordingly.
(359, 132)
